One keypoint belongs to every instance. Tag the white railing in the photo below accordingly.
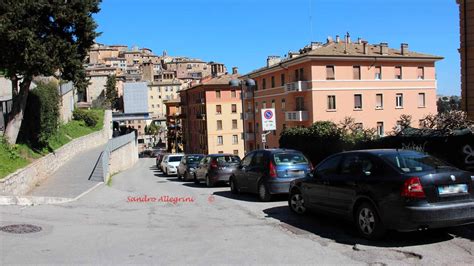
(296, 116)
(296, 86)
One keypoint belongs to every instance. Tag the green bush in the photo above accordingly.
(89, 117)
(41, 118)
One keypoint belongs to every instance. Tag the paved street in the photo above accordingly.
(217, 228)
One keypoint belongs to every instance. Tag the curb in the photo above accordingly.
(34, 200)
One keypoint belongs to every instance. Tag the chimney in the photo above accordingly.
(329, 39)
(366, 47)
(273, 60)
(348, 38)
(338, 39)
(383, 48)
(404, 48)
(235, 70)
(359, 40)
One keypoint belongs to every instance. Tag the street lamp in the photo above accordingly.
(250, 84)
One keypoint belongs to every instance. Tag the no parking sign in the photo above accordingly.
(268, 119)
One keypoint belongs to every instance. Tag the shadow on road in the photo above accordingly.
(342, 231)
(247, 197)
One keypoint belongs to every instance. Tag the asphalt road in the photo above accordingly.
(208, 226)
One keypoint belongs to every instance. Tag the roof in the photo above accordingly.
(350, 50)
(220, 80)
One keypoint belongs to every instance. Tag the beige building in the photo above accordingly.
(466, 22)
(160, 91)
(211, 117)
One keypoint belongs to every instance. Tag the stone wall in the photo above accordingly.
(123, 158)
(25, 179)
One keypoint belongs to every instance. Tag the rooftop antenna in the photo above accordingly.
(311, 20)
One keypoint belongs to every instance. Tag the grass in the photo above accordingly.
(18, 156)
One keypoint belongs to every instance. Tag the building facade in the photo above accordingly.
(373, 84)
(211, 117)
(466, 15)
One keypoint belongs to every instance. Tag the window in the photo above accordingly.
(258, 159)
(297, 75)
(152, 106)
(220, 140)
(282, 79)
(330, 73)
(356, 72)
(273, 103)
(332, 102)
(329, 166)
(358, 101)
(234, 123)
(218, 94)
(380, 130)
(273, 82)
(299, 104)
(264, 84)
(256, 128)
(234, 108)
(233, 94)
(218, 109)
(235, 139)
(421, 99)
(247, 160)
(421, 73)
(236, 152)
(256, 107)
(379, 101)
(219, 124)
(399, 100)
(378, 72)
(398, 72)
(283, 104)
(221, 152)
(301, 73)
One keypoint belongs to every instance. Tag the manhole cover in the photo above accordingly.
(20, 228)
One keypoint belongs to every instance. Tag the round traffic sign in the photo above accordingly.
(268, 114)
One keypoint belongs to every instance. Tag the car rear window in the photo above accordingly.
(289, 158)
(194, 158)
(228, 160)
(412, 162)
(174, 158)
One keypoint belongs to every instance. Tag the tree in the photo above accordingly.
(446, 104)
(111, 95)
(448, 121)
(403, 122)
(49, 38)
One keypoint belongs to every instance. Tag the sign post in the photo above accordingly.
(268, 123)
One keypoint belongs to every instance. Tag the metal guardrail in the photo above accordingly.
(112, 145)
(5, 109)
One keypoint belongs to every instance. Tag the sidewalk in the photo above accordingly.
(72, 179)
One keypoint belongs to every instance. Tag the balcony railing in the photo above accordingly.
(201, 116)
(248, 136)
(297, 116)
(247, 95)
(296, 86)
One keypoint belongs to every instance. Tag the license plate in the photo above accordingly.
(296, 172)
(452, 189)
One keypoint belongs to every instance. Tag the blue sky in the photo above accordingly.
(244, 32)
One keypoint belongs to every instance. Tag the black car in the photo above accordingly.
(188, 165)
(387, 189)
(269, 172)
(216, 168)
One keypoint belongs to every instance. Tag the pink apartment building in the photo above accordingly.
(374, 84)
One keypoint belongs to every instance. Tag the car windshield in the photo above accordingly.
(228, 159)
(194, 158)
(289, 158)
(174, 158)
(410, 162)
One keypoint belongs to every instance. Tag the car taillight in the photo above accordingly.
(412, 188)
(213, 164)
(273, 171)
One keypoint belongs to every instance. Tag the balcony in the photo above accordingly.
(201, 116)
(248, 116)
(249, 136)
(296, 86)
(247, 95)
(297, 116)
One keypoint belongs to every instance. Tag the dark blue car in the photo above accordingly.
(268, 172)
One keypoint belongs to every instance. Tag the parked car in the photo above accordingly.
(146, 154)
(170, 163)
(159, 159)
(387, 189)
(188, 164)
(216, 168)
(268, 172)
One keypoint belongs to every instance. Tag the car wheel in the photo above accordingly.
(368, 222)
(196, 181)
(233, 188)
(263, 192)
(296, 202)
(209, 183)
